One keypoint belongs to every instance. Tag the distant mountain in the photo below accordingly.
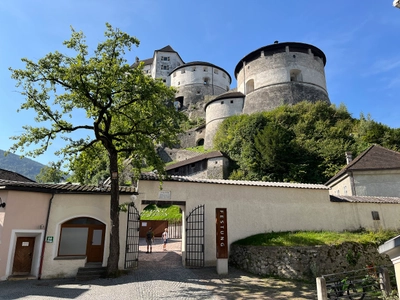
(25, 166)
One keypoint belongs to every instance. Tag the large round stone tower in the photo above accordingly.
(197, 82)
(281, 73)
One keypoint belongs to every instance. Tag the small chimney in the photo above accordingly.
(349, 157)
(137, 59)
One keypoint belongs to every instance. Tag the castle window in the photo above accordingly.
(182, 71)
(375, 215)
(174, 75)
(227, 88)
(215, 71)
(198, 92)
(205, 69)
(164, 67)
(295, 75)
(179, 83)
(249, 86)
(206, 80)
(231, 101)
(222, 102)
(165, 58)
(194, 69)
(223, 75)
(164, 80)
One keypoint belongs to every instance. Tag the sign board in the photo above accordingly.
(164, 195)
(49, 239)
(222, 232)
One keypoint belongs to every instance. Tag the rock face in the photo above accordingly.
(305, 263)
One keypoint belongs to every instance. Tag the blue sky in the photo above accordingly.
(360, 38)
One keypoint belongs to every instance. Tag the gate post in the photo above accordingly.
(384, 281)
(321, 288)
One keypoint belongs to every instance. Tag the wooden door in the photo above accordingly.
(95, 247)
(23, 255)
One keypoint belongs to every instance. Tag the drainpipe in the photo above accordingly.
(352, 184)
(44, 238)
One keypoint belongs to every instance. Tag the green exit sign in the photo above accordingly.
(49, 239)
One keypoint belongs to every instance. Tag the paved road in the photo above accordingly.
(160, 275)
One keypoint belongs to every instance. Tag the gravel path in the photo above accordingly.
(160, 275)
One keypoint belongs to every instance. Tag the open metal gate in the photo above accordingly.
(195, 237)
(132, 237)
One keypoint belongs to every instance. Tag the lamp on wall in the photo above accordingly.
(2, 204)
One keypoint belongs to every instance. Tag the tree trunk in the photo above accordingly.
(113, 258)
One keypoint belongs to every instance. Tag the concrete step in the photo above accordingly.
(90, 272)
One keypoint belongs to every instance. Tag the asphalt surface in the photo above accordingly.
(160, 275)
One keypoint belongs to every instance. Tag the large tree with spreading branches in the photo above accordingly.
(127, 113)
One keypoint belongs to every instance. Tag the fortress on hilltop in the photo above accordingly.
(271, 76)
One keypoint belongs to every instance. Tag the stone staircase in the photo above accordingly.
(91, 271)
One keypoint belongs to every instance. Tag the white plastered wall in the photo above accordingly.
(254, 209)
(70, 206)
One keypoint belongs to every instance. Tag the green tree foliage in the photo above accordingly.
(91, 166)
(127, 113)
(305, 142)
(52, 173)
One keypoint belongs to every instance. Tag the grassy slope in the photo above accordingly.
(312, 238)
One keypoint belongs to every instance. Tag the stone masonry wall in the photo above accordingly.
(305, 263)
(271, 97)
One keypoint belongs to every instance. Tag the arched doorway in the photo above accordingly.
(83, 236)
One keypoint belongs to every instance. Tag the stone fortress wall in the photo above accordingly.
(196, 80)
(217, 110)
(281, 73)
(271, 76)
